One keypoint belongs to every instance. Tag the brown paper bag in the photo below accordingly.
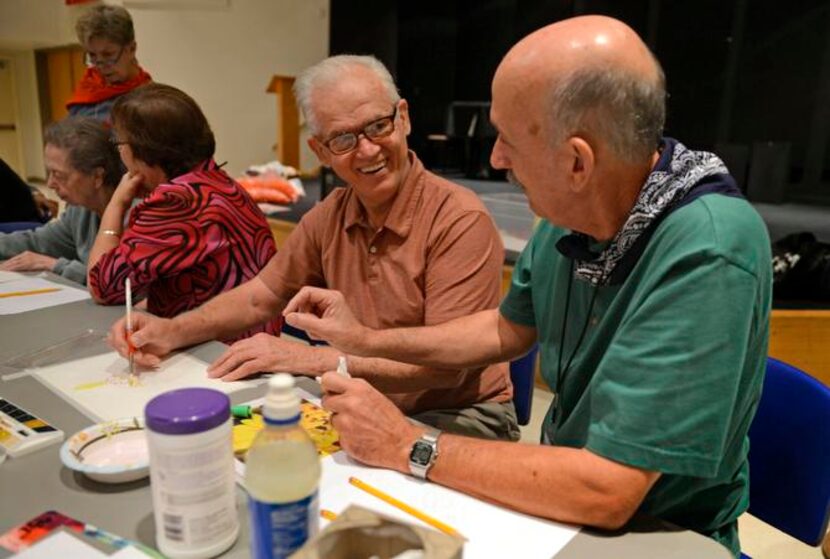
(360, 533)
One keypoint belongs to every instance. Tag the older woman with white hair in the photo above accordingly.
(83, 169)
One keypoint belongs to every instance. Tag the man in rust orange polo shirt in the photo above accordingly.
(406, 248)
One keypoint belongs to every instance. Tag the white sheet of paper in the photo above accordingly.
(66, 546)
(98, 386)
(10, 276)
(491, 530)
(24, 303)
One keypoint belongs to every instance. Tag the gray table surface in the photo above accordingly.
(37, 482)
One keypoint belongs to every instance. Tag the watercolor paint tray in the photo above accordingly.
(22, 432)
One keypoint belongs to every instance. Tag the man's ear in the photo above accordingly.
(320, 151)
(582, 162)
(403, 111)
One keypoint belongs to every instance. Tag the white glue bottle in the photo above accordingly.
(282, 472)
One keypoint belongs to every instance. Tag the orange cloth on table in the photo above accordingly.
(93, 88)
(269, 188)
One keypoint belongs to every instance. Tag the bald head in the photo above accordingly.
(592, 76)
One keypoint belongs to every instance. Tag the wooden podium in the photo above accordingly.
(288, 121)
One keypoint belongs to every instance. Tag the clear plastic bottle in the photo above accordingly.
(282, 472)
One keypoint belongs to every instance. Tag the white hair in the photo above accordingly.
(330, 71)
(626, 109)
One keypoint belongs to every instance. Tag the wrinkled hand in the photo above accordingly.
(372, 429)
(263, 353)
(324, 315)
(28, 261)
(127, 190)
(153, 338)
(46, 207)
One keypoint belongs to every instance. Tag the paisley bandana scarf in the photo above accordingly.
(678, 170)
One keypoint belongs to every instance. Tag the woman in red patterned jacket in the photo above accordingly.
(196, 232)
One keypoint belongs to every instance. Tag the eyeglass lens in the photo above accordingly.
(374, 131)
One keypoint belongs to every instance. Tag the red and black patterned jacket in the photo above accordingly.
(188, 241)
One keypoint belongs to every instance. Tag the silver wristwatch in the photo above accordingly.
(424, 453)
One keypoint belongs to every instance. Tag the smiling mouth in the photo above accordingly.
(373, 169)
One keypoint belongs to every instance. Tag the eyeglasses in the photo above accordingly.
(92, 60)
(375, 130)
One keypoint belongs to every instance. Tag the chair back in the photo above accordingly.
(789, 454)
(521, 375)
(12, 226)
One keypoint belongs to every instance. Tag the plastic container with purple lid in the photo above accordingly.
(187, 410)
(191, 472)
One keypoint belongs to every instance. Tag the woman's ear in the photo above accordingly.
(98, 177)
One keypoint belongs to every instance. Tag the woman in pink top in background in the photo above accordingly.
(196, 233)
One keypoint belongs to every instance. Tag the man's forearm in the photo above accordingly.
(471, 341)
(394, 377)
(227, 315)
(563, 484)
(384, 374)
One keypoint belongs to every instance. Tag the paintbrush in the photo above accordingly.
(130, 348)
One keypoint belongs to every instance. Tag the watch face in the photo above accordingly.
(421, 453)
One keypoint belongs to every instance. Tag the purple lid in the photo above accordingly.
(187, 410)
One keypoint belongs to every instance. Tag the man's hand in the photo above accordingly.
(152, 338)
(372, 429)
(28, 261)
(266, 353)
(324, 315)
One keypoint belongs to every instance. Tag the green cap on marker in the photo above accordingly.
(242, 411)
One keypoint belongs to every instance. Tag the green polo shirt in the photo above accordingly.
(669, 372)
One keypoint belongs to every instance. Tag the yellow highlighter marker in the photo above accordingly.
(437, 524)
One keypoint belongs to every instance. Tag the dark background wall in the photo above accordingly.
(749, 79)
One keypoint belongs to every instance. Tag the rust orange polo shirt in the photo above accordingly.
(437, 257)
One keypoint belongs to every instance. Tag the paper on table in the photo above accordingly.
(10, 276)
(98, 385)
(63, 544)
(24, 303)
(491, 530)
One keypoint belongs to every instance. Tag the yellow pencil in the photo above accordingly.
(327, 514)
(30, 292)
(404, 507)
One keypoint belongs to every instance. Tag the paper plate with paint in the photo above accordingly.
(110, 452)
